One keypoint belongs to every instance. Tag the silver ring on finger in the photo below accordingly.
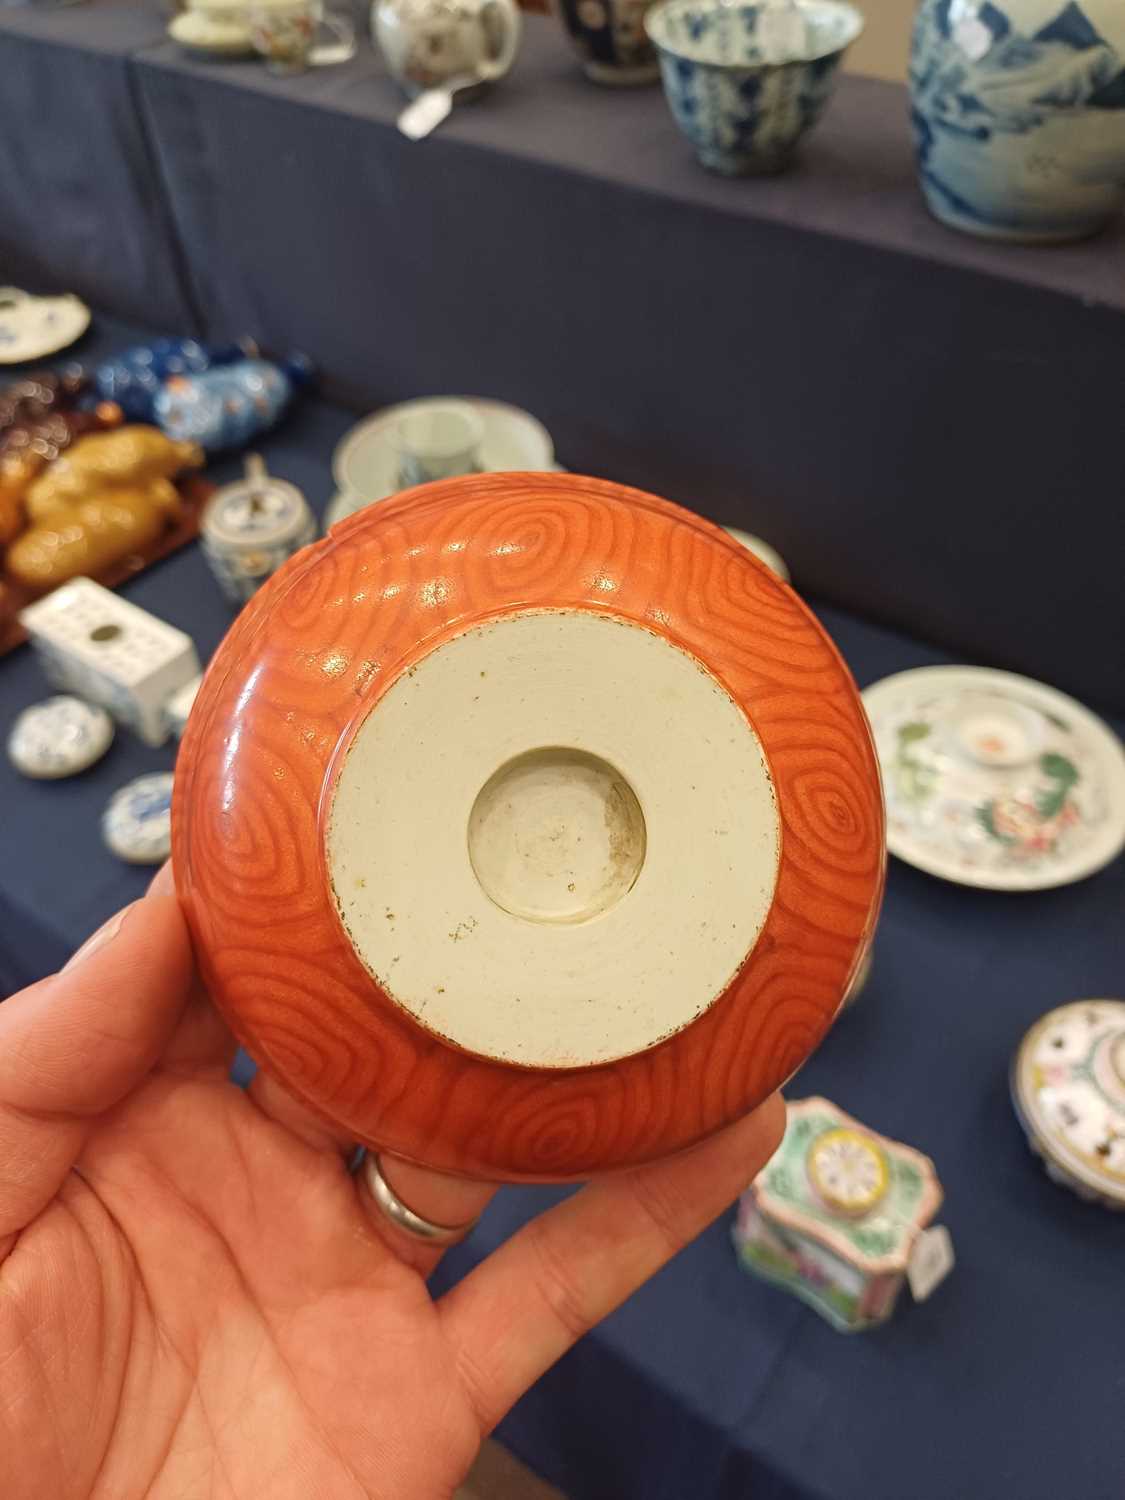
(394, 1210)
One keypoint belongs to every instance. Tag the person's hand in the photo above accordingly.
(197, 1299)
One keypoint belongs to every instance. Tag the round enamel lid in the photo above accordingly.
(59, 737)
(1068, 1086)
(847, 1170)
(528, 825)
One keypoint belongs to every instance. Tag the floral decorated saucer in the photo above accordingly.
(1068, 1087)
(34, 327)
(996, 781)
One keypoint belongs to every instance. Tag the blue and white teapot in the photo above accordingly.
(1019, 115)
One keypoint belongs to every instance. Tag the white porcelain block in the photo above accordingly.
(98, 645)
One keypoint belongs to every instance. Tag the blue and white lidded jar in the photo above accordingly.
(1019, 115)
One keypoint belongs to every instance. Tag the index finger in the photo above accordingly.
(75, 1044)
(520, 1310)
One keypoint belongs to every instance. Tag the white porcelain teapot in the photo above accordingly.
(428, 43)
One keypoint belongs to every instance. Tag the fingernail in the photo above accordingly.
(105, 933)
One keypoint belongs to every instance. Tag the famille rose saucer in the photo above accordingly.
(1068, 1087)
(995, 781)
(34, 327)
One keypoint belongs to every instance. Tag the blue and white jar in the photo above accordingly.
(1019, 115)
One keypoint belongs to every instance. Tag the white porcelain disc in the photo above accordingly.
(1068, 1085)
(554, 840)
(762, 550)
(34, 327)
(994, 780)
(59, 737)
(137, 822)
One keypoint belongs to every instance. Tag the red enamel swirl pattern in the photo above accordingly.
(309, 658)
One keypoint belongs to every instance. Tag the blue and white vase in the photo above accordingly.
(134, 377)
(230, 405)
(1019, 115)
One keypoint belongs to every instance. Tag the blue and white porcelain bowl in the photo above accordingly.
(1019, 115)
(746, 81)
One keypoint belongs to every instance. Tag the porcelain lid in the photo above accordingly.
(255, 512)
(59, 737)
(136, 824)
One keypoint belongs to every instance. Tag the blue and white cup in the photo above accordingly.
(438, 440)
(746, 81)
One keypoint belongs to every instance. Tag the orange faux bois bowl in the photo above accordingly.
(528, 826)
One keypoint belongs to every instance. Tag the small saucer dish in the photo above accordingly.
(137, 822)
(1068, 1088)
(761, 550)
(211, 35)
(996, 781)
(366, 465)
(35, 327)
(59, 737)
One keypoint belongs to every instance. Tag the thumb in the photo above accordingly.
(74, 1045)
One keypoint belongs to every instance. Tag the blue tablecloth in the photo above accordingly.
(709, 1385)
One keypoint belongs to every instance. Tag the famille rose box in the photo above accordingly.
(839, 1215)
